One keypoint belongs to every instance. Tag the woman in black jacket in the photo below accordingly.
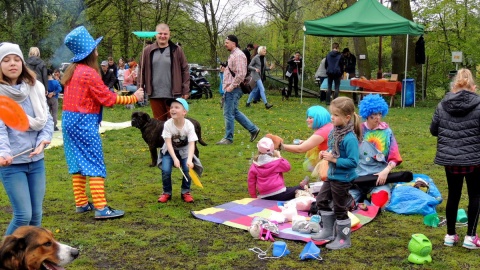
(294, 70)
(456, 123)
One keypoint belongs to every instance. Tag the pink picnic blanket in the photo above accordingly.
(239, 214)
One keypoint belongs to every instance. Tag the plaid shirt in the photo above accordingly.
(237, 62)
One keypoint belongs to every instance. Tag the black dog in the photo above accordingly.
(152, 129)
(284, 93)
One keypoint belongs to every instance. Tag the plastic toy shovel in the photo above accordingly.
(12, 114)
(195, 178)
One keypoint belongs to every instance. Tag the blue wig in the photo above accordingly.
(320, 116)
(372, 103)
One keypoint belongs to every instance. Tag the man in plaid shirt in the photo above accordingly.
(234, 74)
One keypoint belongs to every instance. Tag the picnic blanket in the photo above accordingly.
(57, 138)
(239, 214)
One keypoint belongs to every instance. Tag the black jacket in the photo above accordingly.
(456, 123)
(294, 64)
(38, 66)
(108, 78)
(334, 64)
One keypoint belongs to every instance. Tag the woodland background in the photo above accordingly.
(202, 25)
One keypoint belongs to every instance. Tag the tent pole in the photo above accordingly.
(405, 77)
(303, 69)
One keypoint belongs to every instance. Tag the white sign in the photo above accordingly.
(457, 57)
(362, 56)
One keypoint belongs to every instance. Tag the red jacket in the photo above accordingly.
(86, 93)
(179, 69)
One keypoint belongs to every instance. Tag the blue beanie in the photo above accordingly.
(320, 116)
(372, 103)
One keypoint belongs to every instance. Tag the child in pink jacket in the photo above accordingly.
(266, 174)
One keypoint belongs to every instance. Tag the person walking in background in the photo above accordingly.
(456, 126)
(258, 66)
(22, 166)
(294, 69)
(234, 74)
(342, 157)
(334, 65)
(321, 75)
(35, 63)
(54, 88)
(246, 51)
(164, 73)
(83, 101)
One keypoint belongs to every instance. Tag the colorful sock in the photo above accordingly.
(97, 188)
(380, 198)
(79, 182)
(126, 99)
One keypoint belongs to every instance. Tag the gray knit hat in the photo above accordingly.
(7, 48)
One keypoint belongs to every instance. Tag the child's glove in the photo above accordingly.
(277, 141)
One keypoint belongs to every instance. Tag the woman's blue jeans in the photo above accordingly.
(254, 93)
(167, 166)
(25, 187)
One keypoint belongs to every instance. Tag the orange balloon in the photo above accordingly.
(12, 114)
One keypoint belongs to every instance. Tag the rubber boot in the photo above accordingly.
(342, 239)
(328, 219)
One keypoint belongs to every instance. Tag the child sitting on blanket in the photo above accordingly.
(266, 174)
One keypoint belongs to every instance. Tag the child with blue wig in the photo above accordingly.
(379, 154)
(318, 119)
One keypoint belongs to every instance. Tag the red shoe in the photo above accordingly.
(187, 197)
(164, 198)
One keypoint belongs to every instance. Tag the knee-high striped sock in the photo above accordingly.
(97, 188)
(79, 183)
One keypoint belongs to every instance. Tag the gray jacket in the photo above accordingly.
(456, 123)
(256, 63)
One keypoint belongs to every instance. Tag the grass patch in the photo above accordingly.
(166, 236)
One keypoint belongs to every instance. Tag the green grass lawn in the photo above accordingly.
(167, 236)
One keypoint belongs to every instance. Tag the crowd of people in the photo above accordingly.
(356, 152)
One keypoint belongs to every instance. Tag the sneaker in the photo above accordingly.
(224, 141)
(164, 198)
(248, 104)
(56, 129)
(85, 208)
(254, 135)
(187, 197)
(450, 240)
(108, 212)
(268, 106)
(471, 242)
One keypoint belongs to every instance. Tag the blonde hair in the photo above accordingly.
(34, 51)
(345, 106)
(261, 48)
(463, 81)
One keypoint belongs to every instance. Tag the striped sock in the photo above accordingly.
(97, 188)
(79, 183)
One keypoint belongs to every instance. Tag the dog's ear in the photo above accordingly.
(146, 117)
(12, 251)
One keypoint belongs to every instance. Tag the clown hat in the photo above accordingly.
(81, 43)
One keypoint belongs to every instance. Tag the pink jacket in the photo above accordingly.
(267, 178)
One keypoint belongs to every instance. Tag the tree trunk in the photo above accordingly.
(363, 66)
(402, 7)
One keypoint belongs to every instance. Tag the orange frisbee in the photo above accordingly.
(12, 114)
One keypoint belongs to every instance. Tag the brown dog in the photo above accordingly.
(152, 129)
(33, 248)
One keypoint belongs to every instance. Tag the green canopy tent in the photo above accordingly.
(144, 35)
(365, 18)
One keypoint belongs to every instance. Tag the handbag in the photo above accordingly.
(288, 74)
(321, 170)
(248, 84)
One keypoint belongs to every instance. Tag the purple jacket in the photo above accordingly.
(267, 178)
